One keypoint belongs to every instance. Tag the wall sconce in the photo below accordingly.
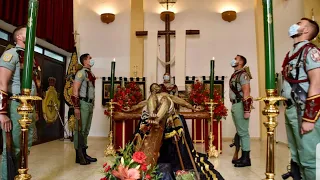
(229, 16)
(107, 17)
(167, 14)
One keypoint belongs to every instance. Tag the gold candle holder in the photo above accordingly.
(271, 111)
(212, 152)
(110, 150)
(24, 110)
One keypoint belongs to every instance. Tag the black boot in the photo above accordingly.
(80, 159)
(238, 160)
(295, 170)
(245, 161)
(90, 159)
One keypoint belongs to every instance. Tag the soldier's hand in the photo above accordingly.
(77, 113)
(306, 127)
(246, 115)
(5, 123)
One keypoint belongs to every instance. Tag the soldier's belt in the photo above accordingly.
(289, 103)
(311, 112)
(87, 99)
(234, 101)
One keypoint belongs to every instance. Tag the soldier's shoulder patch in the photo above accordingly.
(246, 77)
(79, 74)
(315, 55)
(7, 57)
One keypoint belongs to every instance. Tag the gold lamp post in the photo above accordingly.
(271, 111)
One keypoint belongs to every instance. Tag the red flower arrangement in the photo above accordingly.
(126, 97)
(199, 96)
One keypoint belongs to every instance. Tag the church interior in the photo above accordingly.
(136, 43)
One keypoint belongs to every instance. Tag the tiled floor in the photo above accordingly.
(55, 161)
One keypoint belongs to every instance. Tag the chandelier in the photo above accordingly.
(167, 3)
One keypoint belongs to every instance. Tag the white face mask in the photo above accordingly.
(91, 62)
(293, 30)
(233, 63)
(166, 78)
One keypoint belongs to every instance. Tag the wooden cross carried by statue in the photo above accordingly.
(167, 17)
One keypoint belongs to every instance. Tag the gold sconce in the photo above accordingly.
(107, 17)
(229, 15)
(167, 14)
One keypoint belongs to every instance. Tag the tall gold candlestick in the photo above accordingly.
(212, 152)
(110, 150)
(24, 109)
(271, 111)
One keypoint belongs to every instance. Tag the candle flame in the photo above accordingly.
(212, 58)
(114, 59)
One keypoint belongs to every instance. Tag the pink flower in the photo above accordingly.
(104, 178)
(139, 157)
(124, 174)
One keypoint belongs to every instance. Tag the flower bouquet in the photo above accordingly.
(126, 97)
(199, 95)
(130, 165)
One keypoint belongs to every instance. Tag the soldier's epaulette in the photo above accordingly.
(9, 46)
(247, 69)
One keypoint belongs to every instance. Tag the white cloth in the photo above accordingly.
(151, 59)
(180, 60)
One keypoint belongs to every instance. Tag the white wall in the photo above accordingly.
(218, 38)
(104, 42)
(286, 13)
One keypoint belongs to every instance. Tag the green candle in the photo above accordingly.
(113, 69)
(30, 40)
(269, 44)
(211, 78)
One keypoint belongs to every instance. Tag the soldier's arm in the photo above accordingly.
(76, 88)
(312, 109)
(245, 87)
(5, 75)
(8, 62)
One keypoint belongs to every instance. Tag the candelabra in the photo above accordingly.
(24, 109)
(271, 111)
(212, 152)
(110, 150)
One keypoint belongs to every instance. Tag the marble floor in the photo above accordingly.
(55, 161)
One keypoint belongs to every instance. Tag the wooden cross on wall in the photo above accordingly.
(167, 17)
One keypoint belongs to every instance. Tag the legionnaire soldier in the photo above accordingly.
(301, 87)
(83, 102)
(11, 66)
(241, 107)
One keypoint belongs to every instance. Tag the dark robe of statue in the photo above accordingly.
(168, 160)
